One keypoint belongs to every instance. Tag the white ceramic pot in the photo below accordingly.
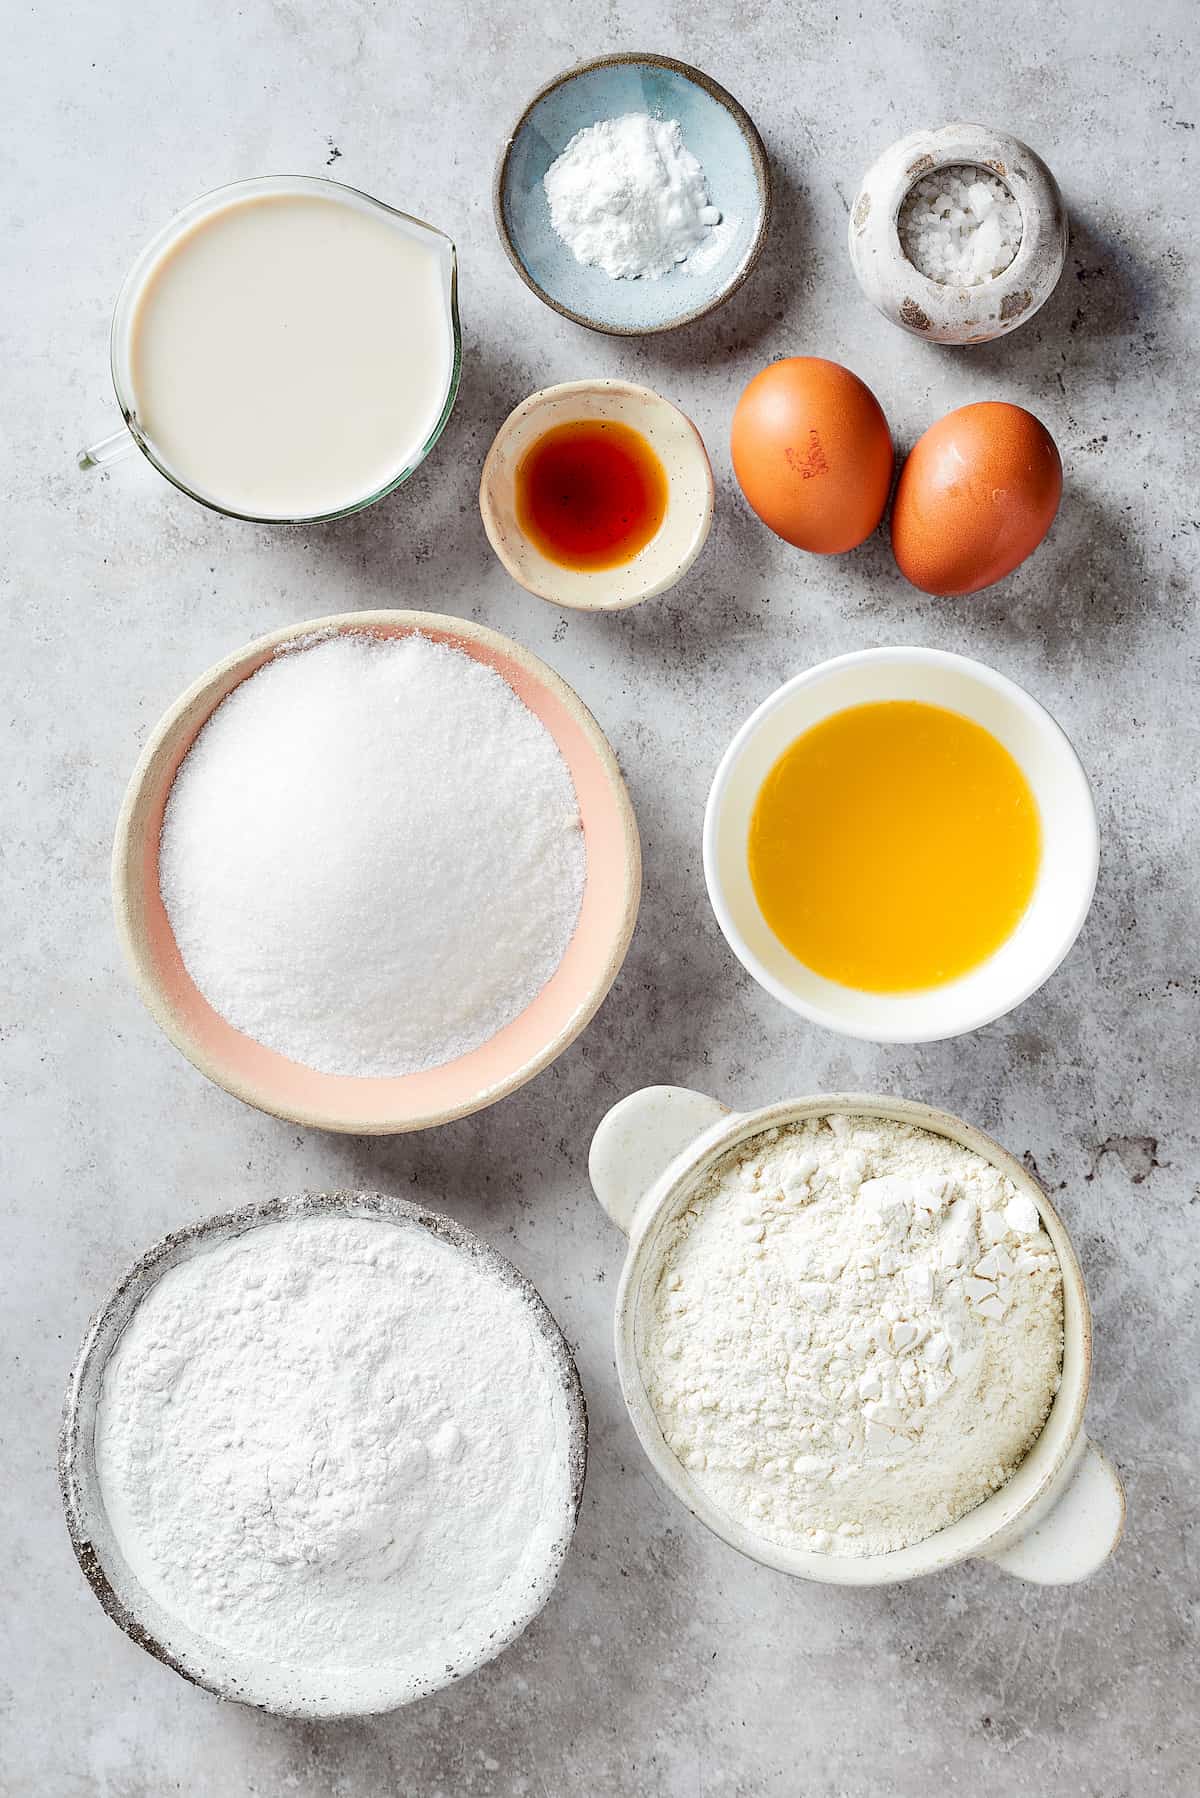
(1062, 1512)
(939, 310)
(1066, 877)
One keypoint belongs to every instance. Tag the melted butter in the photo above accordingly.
(894, 846)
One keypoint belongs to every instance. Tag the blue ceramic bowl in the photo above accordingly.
(716, 130)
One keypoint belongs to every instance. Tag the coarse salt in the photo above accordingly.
(372, 858)
(960, 226)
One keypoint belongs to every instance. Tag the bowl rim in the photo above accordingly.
(643, 396)
(758, 157)
(919, 1558)
(814, 1012)
(129, 836)
(79, 1484)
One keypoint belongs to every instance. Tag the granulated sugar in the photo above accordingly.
(339, 1444)
(372, 857)
(856, 1334)
(960, 226)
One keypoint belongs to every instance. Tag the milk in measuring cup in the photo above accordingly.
(291, 354)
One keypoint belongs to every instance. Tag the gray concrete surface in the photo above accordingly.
(665, 1664)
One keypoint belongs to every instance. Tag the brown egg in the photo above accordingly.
(976, 496)
(812, 453)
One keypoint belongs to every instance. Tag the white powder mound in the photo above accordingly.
(372, 858)
(856, 1334)
(960, 226)
(628, 197)
(337, 1443)
(717, 243)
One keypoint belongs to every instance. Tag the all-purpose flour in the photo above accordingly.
(372, 858)
(337, 1442)
(856, 1334)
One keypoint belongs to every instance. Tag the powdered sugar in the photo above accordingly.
(628, 197)
(371, 859)
(856, 1334)
(337, 1442)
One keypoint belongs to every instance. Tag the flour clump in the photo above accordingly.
(337, 1443)
(628, 197)
(856, 1334)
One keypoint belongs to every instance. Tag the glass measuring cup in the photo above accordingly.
(134, 433)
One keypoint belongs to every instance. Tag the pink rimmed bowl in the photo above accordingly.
(275, 1084)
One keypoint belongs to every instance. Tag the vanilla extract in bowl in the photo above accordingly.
(591, 493)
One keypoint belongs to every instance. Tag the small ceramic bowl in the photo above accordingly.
(1066, 877)
(938, 310)
(674, 546)
(715, 129)
(287, 1690)
(263, 1078)
(1054, 1522)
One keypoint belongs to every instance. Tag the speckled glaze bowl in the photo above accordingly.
(941, 311)
(289, 1691)
(715, 128)
(272, 1082)
(1055, 1521)
(660, 563)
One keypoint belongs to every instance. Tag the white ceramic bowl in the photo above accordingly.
(1060, 1515)
(674, 546)
(1066, 877)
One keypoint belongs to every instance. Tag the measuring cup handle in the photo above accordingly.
(639, 1138)
(109, 449)
(1078, 1532)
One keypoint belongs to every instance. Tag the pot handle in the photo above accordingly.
(1079, 1532)
(639, 1138)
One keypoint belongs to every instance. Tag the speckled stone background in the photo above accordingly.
(664, 1664)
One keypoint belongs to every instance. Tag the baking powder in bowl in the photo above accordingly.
(372, 858)
(338, 1443)
(628, 197)
(855, 1336)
